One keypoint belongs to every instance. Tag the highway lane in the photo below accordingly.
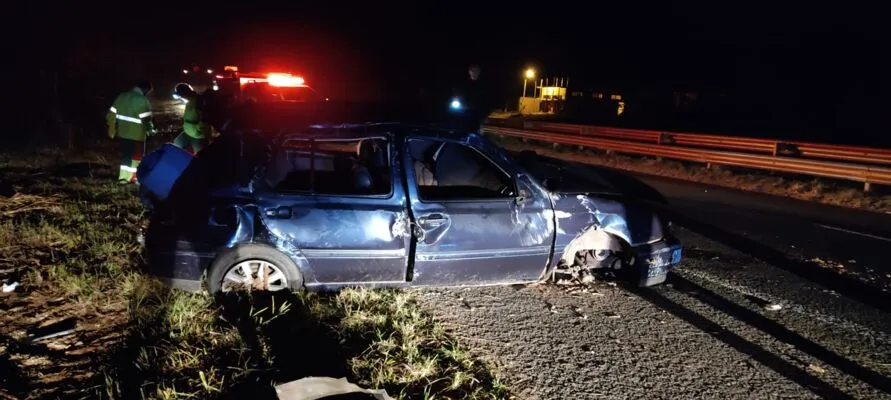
(799, 229)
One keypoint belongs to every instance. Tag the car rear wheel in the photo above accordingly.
(253, 267)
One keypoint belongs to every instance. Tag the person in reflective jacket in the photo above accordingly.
(129, 122)
(196, 130)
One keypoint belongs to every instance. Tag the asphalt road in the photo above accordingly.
(851, 240)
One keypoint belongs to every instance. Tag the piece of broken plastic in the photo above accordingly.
(60, 328)
(9, 287)
(317, 387)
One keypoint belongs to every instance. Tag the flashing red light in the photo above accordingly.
(285, 80)
(277, 79)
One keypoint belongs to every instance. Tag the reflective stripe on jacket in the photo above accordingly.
(130, 116)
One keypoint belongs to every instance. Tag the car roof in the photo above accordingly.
(391, 130)
(321, 119)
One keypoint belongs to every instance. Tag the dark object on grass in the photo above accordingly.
(61, 328)
(6, 188)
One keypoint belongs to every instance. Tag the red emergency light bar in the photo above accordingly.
(276, 79)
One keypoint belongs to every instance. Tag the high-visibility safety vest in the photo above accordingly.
(193, 120)
(130, 116)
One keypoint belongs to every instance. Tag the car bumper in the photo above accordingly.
(654, 261)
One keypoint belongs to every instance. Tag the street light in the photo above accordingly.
(530, 74)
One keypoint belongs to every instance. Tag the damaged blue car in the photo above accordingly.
(389, 204)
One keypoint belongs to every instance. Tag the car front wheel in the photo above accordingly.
(253, 267)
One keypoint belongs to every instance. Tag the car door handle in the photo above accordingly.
(282, 212)
(432, 220)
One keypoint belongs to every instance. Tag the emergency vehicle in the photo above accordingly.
(197, 77)
(263, 86)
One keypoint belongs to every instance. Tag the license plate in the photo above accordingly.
(662, 261)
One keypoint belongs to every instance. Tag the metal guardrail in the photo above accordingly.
(774, 147)
(845, 171)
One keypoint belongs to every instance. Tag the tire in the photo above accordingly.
(244, 253)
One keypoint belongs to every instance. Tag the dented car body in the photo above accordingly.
(396, 205)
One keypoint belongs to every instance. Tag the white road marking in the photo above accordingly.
(834, 228)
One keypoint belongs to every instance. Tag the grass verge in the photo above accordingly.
(819, 190)
(69, 237)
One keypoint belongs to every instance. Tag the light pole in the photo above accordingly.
(530, 74)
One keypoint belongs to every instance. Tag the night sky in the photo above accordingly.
(358, 50)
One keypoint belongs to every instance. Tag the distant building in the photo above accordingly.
(549, 97)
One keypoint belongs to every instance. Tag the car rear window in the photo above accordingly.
(332, 167)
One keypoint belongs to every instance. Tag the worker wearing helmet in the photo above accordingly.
(129, 122)
(196, 130)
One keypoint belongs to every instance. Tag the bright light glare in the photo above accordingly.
(216, 87)
(280, 79)
(530, 73)
(185, 71)
(456, 104)
(209, 71)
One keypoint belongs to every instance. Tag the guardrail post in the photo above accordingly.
(867, 187)
(665, 138)
(785, 149)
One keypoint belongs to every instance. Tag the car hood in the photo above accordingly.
(566, 177)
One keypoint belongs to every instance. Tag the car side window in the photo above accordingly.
(453, 171)
(332, 167)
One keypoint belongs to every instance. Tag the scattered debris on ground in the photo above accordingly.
(687, 339)
(319, 388)
(10, 286)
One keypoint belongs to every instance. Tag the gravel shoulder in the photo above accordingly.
(713, 332)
